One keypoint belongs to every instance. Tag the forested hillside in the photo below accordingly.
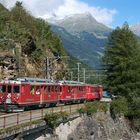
(28, 41)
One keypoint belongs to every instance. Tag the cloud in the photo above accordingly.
(58, 9)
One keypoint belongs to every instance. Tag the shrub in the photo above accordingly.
(93, 107)
(119, 106)
(51, 119)
(54, 119)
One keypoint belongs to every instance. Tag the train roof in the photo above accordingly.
(28, 80)
(70, 82)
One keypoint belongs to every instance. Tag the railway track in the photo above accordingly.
(12, 119)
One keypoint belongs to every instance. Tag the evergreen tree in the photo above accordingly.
(122, 60)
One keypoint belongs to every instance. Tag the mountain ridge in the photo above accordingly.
(83, 37)
(82, 22)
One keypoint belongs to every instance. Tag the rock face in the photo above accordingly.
(98, 127)
(8, 67)
(102, 127)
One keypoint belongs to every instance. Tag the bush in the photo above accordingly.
(103, 107)
(93, 107)
(119, 106)
(54, 119)
(51, 119)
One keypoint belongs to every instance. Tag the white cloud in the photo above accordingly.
(58, 9)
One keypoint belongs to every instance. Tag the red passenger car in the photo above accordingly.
(28, 92)
(72, 92)
(23, 93)
(93, 92)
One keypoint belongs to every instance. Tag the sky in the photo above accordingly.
(112, 13)
(127, 10)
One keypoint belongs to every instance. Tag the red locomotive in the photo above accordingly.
(23, 93)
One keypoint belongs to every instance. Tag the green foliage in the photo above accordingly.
(53, 119)
(122, 60)
(103, 107)
(34, 34)
(92, 107)
(119, 106)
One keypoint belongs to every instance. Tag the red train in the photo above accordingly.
(23, 93)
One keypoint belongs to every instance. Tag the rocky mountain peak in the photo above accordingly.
(76, 17)
(84, 22)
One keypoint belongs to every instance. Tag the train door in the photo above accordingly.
(42, 95)
(46, 93)
(82, 91)
(79, 92)
(9, 94)
(68, 95)
(53, 94)
(62, 92)
(87, 91)
(37, 94)
(73, 92)
(23, 93)
(57, 92)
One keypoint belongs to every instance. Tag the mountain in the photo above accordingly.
(83, 22)
(136, 29)
(83, 37)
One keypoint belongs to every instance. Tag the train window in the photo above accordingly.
(53, 88)
(3, 88)
(49, 89)
(16, 89)
(79, 88)
(32, 89)
(60, 89)
(72, 90)
(56, 88)
(45, 89)
(9, 89)
(69, 89)
(38, 90)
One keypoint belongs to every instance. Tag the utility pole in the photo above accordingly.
(47, 68)
(78, 71)
(49, 62)
(71, 75)
(84, 74)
